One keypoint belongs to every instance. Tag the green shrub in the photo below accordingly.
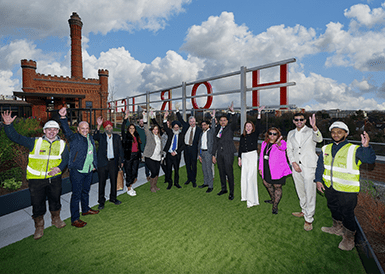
(11, 184)
(15, 172)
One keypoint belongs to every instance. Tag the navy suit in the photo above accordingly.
(108, 167)
(173, 161)
(190, 152)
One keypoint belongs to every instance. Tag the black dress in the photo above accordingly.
(266, 168)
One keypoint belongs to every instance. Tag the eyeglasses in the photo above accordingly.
(273, 133)
(297, 120)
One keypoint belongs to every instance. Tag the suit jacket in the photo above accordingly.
(102, 151)
(225, 144)
(305, 151)
(186, 126)
(210, 141)
(170, 134)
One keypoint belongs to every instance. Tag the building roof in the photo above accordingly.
(54, 95)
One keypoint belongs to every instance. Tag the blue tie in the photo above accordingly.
(174, 144)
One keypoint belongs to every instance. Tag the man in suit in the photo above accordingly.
(82, 163)
(191, 138)
(224, 149)
(173, 148)
(205, 147)
(301, 144)
(110, 157)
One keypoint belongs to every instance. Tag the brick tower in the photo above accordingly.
(48, 93)
(76, 46)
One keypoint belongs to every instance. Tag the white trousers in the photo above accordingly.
(306, 190)
(249, 178)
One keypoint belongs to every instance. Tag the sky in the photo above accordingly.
(147, 45)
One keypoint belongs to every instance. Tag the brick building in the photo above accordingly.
(46, 92)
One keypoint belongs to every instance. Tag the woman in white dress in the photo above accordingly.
(248, 160)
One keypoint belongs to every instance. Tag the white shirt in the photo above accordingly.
(298, 134)
(204, 139)
(110, 147)
(187, 136)
(156, 155)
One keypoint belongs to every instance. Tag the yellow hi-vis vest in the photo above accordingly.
(43, 157)
(342, 171)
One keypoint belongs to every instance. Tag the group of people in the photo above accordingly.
(335, 171)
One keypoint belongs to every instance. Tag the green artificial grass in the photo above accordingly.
(187, 231)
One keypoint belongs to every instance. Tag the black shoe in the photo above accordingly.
(202, 186)
(221, 192)
(187, 182)
(194, 184)
(101, 206)
(275, 210)
(231, 197)
(116, 202)
(209, 190)
(177, 185)
(169, 185)
(268, 201)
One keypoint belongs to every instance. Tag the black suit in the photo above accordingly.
(224, 150)
(173, 161)
(108, 167)
(191, 152)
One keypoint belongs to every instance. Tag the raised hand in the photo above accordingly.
(99, 121)
(260, 108)
(63, 112)
(213, 114)
(365, 139)
(127, 113)
(279, 141)
(7, 117)
(165, 114)
(231, 108)
(313, 122)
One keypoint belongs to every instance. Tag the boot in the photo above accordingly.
(169, 185)
(347, 242)
(39, 227)
(336, 229)
(155, 182)
(56, 221)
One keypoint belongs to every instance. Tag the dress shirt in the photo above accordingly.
(110, 147)
(204, 139)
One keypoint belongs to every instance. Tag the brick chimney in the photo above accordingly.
(76, 46)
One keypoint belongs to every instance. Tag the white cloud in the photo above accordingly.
(362, 15)
(36, 17)
(7, 84)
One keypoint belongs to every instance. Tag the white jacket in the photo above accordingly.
(303, 153)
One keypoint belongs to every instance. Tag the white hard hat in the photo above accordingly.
(51, 124)
(340, 125)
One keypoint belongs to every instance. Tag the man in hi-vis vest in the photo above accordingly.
(47, 159)
(338, 174)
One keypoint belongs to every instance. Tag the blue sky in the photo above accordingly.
(149, 45)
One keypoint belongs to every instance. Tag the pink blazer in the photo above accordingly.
(277, 161)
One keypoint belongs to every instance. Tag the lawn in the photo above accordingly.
(187, 231)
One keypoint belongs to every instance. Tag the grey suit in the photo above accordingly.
(206, 156)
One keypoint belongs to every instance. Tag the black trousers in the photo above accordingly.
(190, 158)
(40, 189)
(172, 162)
(131, 168)
(225, 167)
(342, 205)
(110, 169)
(153, 166)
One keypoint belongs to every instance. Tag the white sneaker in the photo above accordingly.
(131, 192)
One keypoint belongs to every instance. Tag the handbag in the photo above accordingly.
(120, 180)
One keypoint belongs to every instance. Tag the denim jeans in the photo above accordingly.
(40, 189)
(81, 183)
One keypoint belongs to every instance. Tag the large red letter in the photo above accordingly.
(209, 98)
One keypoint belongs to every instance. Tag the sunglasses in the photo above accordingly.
(273, 133)
(297, 120)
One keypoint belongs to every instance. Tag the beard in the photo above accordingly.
(109, 132)
(176, 132)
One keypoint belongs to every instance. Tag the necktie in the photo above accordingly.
(191, 137)
(174, 144)
(220, 132)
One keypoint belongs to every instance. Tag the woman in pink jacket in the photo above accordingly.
(273, 166)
